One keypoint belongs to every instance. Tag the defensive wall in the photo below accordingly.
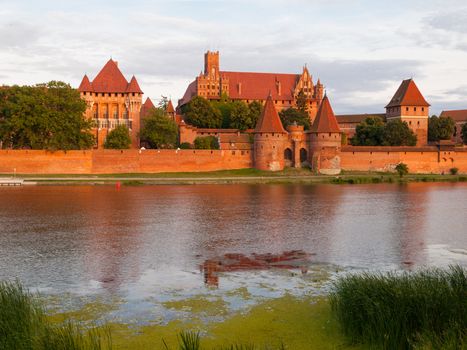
(419, 160)
(120, 162)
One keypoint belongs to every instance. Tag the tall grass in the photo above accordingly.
(24, 326)
(425, 309)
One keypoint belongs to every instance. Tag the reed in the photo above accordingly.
(24, 326)
(424, 309)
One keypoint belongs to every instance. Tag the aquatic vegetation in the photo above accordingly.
(425, 309)
(24, 326)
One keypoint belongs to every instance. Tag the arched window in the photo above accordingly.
(303, 155)
(288, 154)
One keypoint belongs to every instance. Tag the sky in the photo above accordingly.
(360, 49)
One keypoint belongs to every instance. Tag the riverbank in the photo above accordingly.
(241, 176)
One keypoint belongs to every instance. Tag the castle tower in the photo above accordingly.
(211, 64)
(170, 110)
(270, 137)
(409, 105)
(325, 141)
(111, 101)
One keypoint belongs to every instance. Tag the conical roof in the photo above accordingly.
(110, 79)
(133, 86)
(269, 120)
(148, 104)
(170, 107)
(408, 94)
(325, 120)
(85, 85)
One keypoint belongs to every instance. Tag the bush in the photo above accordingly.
(118, 138)
(399, 311)
(206, 142)
(402, 169)
(453, 171)
(186, 145)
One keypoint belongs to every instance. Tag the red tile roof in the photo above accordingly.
(325, 120)
(254, 86)
(133, 86)
(110, 80)
(408, 94)
(147, 107)
(269, 120)
(459, 115)
(85, 85)
(358, 118)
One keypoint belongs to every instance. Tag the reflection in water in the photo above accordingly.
(239, 262)
(148, 242)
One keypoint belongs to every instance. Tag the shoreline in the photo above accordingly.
(243, 176)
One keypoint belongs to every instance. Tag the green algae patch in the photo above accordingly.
(201, 305)
(297, 323)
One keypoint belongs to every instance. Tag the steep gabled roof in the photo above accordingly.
(133, 86)
(148, 103)
(325, 120)
(170, 107)
(110, 79)
(408, 94)
(269, 121)
(458, 115)
(146, 108)
(85, 85)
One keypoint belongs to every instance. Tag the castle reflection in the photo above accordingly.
(293, 259)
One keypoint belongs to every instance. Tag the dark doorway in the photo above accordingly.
(303, 155)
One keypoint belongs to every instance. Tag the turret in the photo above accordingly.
(325, 141)
(269, 139)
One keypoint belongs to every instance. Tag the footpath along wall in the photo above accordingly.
(421, 160)
(120, 162)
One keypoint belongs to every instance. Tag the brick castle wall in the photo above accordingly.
(120, 162)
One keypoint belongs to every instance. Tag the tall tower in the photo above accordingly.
(325, 141)
(409, 105)
(269, 141)
(211, 64)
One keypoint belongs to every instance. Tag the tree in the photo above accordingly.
(402, 169)
(159, 131)
(118, 138)
(224, 105)
(240, 117)
(368, 133)
(163, 103)
(301, 101)
(464, 133)
(255, 110)
(45, 116)
(398, 133)
(292, 115)
(200, 113)
(206, 142)
(441, 128)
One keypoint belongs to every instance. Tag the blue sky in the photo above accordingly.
(360, 49)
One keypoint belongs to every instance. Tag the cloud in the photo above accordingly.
(18, 35)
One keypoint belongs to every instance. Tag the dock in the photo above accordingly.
(11, 182)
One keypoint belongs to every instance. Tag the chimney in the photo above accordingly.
(116, 63)
(239, 88)
(279, 87)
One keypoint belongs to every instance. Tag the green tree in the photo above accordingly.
(240, 116)
(255, 110)
(224, 105)
(440, 128)
(464, 133)
(159, 131)
(402, 169)
(292, 115)
(206, 142)
(200, 113)
(301, 102)
(45, 116)
(163, 103)
(369, 133)
(118, 138)
(397, 133)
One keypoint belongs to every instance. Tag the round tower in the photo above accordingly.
(269, 140)
(325, 141)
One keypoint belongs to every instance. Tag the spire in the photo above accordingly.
(325, 120)
(269, 121)
(408, 94)
(85, 85)
(133, 86)
(170, 108)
